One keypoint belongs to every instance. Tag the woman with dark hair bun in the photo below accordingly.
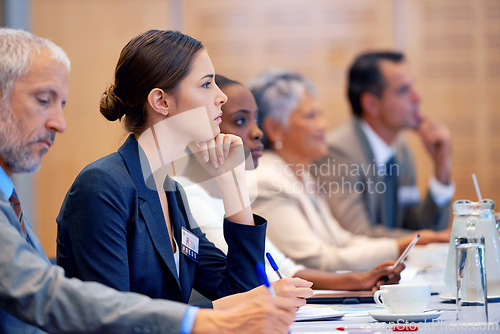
(124, 222)
(155, 59)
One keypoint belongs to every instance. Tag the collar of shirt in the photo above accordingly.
(381, 151)
(6, 184)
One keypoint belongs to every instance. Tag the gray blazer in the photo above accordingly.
(40, 295)
(357, 209)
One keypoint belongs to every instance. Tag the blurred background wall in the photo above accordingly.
(453, 47)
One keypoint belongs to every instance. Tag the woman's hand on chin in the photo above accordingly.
(224, 159)
(219, 155)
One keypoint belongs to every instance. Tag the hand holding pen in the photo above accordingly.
(295, 289)
(261, 272)
(382, 274)
(406, 252)
(403, 256)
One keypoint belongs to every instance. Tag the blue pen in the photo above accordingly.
(273, 265)
(261, 272)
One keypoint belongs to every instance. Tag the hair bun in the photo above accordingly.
(112, 106)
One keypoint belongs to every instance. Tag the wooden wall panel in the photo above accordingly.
(318, 38)
(454, 48)
(92, 32)
(452, 45)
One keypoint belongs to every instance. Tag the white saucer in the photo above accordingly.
(384, 315)
(450, 298)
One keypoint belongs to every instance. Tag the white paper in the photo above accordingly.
(316, 312)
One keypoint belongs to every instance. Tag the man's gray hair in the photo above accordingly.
(17, 47)
(278, 92)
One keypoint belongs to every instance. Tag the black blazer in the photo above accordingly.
(111, 230)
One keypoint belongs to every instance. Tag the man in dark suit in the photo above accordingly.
(36, 296)
(369, 173)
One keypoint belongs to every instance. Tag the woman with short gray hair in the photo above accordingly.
(301, 224)
(277, 93)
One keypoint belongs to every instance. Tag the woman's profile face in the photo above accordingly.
(198, 89)
(240, 118)
(305, 133)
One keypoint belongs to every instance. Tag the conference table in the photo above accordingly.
(425, 264)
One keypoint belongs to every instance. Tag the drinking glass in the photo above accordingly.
(472, 300)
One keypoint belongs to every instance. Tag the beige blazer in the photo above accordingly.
(302, 227)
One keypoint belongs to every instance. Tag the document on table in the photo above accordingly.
(340, 297)
(317, 312)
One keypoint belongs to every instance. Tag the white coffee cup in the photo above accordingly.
(403, 298)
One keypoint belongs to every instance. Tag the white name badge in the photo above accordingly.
(408, 195)
(190, 244)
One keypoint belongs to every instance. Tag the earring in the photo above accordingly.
(278, 145)
(165, 112)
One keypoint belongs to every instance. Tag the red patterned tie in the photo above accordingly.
(16, 205)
